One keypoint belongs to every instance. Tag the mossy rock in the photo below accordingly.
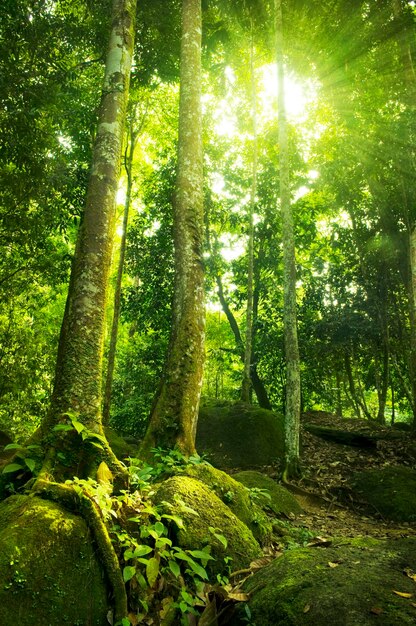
(391, 491)
(281, 501)
(239, 435)
(236, 497)
(49, 573)
(121, 448)
(351, 583)
(210, 511)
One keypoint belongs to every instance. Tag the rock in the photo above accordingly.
(239, 435)
(49, 573)
(120, 446)
(209, 511)
(236, 496)
(390, 491)
(344, 437)
(350, 583)
(280, 500)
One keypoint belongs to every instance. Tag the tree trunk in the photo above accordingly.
(117, 289)
(247, 378)
(292, 409)
(77, 385)
(174, 415)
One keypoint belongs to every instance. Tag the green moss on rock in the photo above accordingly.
(49, 573)
(239, 435)
(236, 497)
(210, 512)
(390, 491)
(302, 589)
(121, 448)
(280, 500)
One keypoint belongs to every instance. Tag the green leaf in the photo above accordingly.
(200, 554)
(141, 580)
(12, 446)
(65, 427)
(152, 571)
(198, 569)
(160, 528)
(78, 426)
(142, 550)
(125, 622)
(12, 467)
(128, 573)
(31, 463)
(175, 518)
(174, 568)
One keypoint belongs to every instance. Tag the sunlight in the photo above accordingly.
(297, 97)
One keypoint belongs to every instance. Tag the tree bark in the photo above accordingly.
(117, 289)
(77, 385)
(292, 409)
(174, 415)
(248, 347)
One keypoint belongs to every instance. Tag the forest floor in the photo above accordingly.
(330, 508)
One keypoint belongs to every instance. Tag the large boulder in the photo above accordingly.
(268, 493)
(390, 491)
(355, 582)
(239, 435)
(49, 573)
(236, 496)
(201, 510)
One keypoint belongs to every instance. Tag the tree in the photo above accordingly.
(292, 409)
(77, 386)
(174, 414)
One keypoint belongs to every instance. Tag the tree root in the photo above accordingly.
(84, 506)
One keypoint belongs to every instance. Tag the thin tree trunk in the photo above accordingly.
(128, 164)
(292, 409)
(175, 412)
(77, 387)
(245, 390)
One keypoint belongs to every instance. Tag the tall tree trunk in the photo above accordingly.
(246, 386)
(77, 386)
(292, 410)
(175, 412)
(128, 164)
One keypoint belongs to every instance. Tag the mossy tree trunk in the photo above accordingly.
(128, 164)
(78, 376)
(292, 406)
(174, 415)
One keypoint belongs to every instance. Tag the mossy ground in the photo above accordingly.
(239, 435)
(49, 574)
(391, 491)
(280, 500)
(210, 511)
(350, 583)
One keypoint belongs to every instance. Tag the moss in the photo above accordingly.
(391, 491)
(301, 588)
(49, 573)
(239, 435)
(280, 500)
(236, 497)
(210, 511)
(121, 448)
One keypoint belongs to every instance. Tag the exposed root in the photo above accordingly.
(66, 496)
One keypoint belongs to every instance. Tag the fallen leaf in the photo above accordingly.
(332, 565)
(238, 596)
(261, 562)
(376, 610)
(410, 573)
(413, 604)
(306, 608)
(319, 541)
(402, 594)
